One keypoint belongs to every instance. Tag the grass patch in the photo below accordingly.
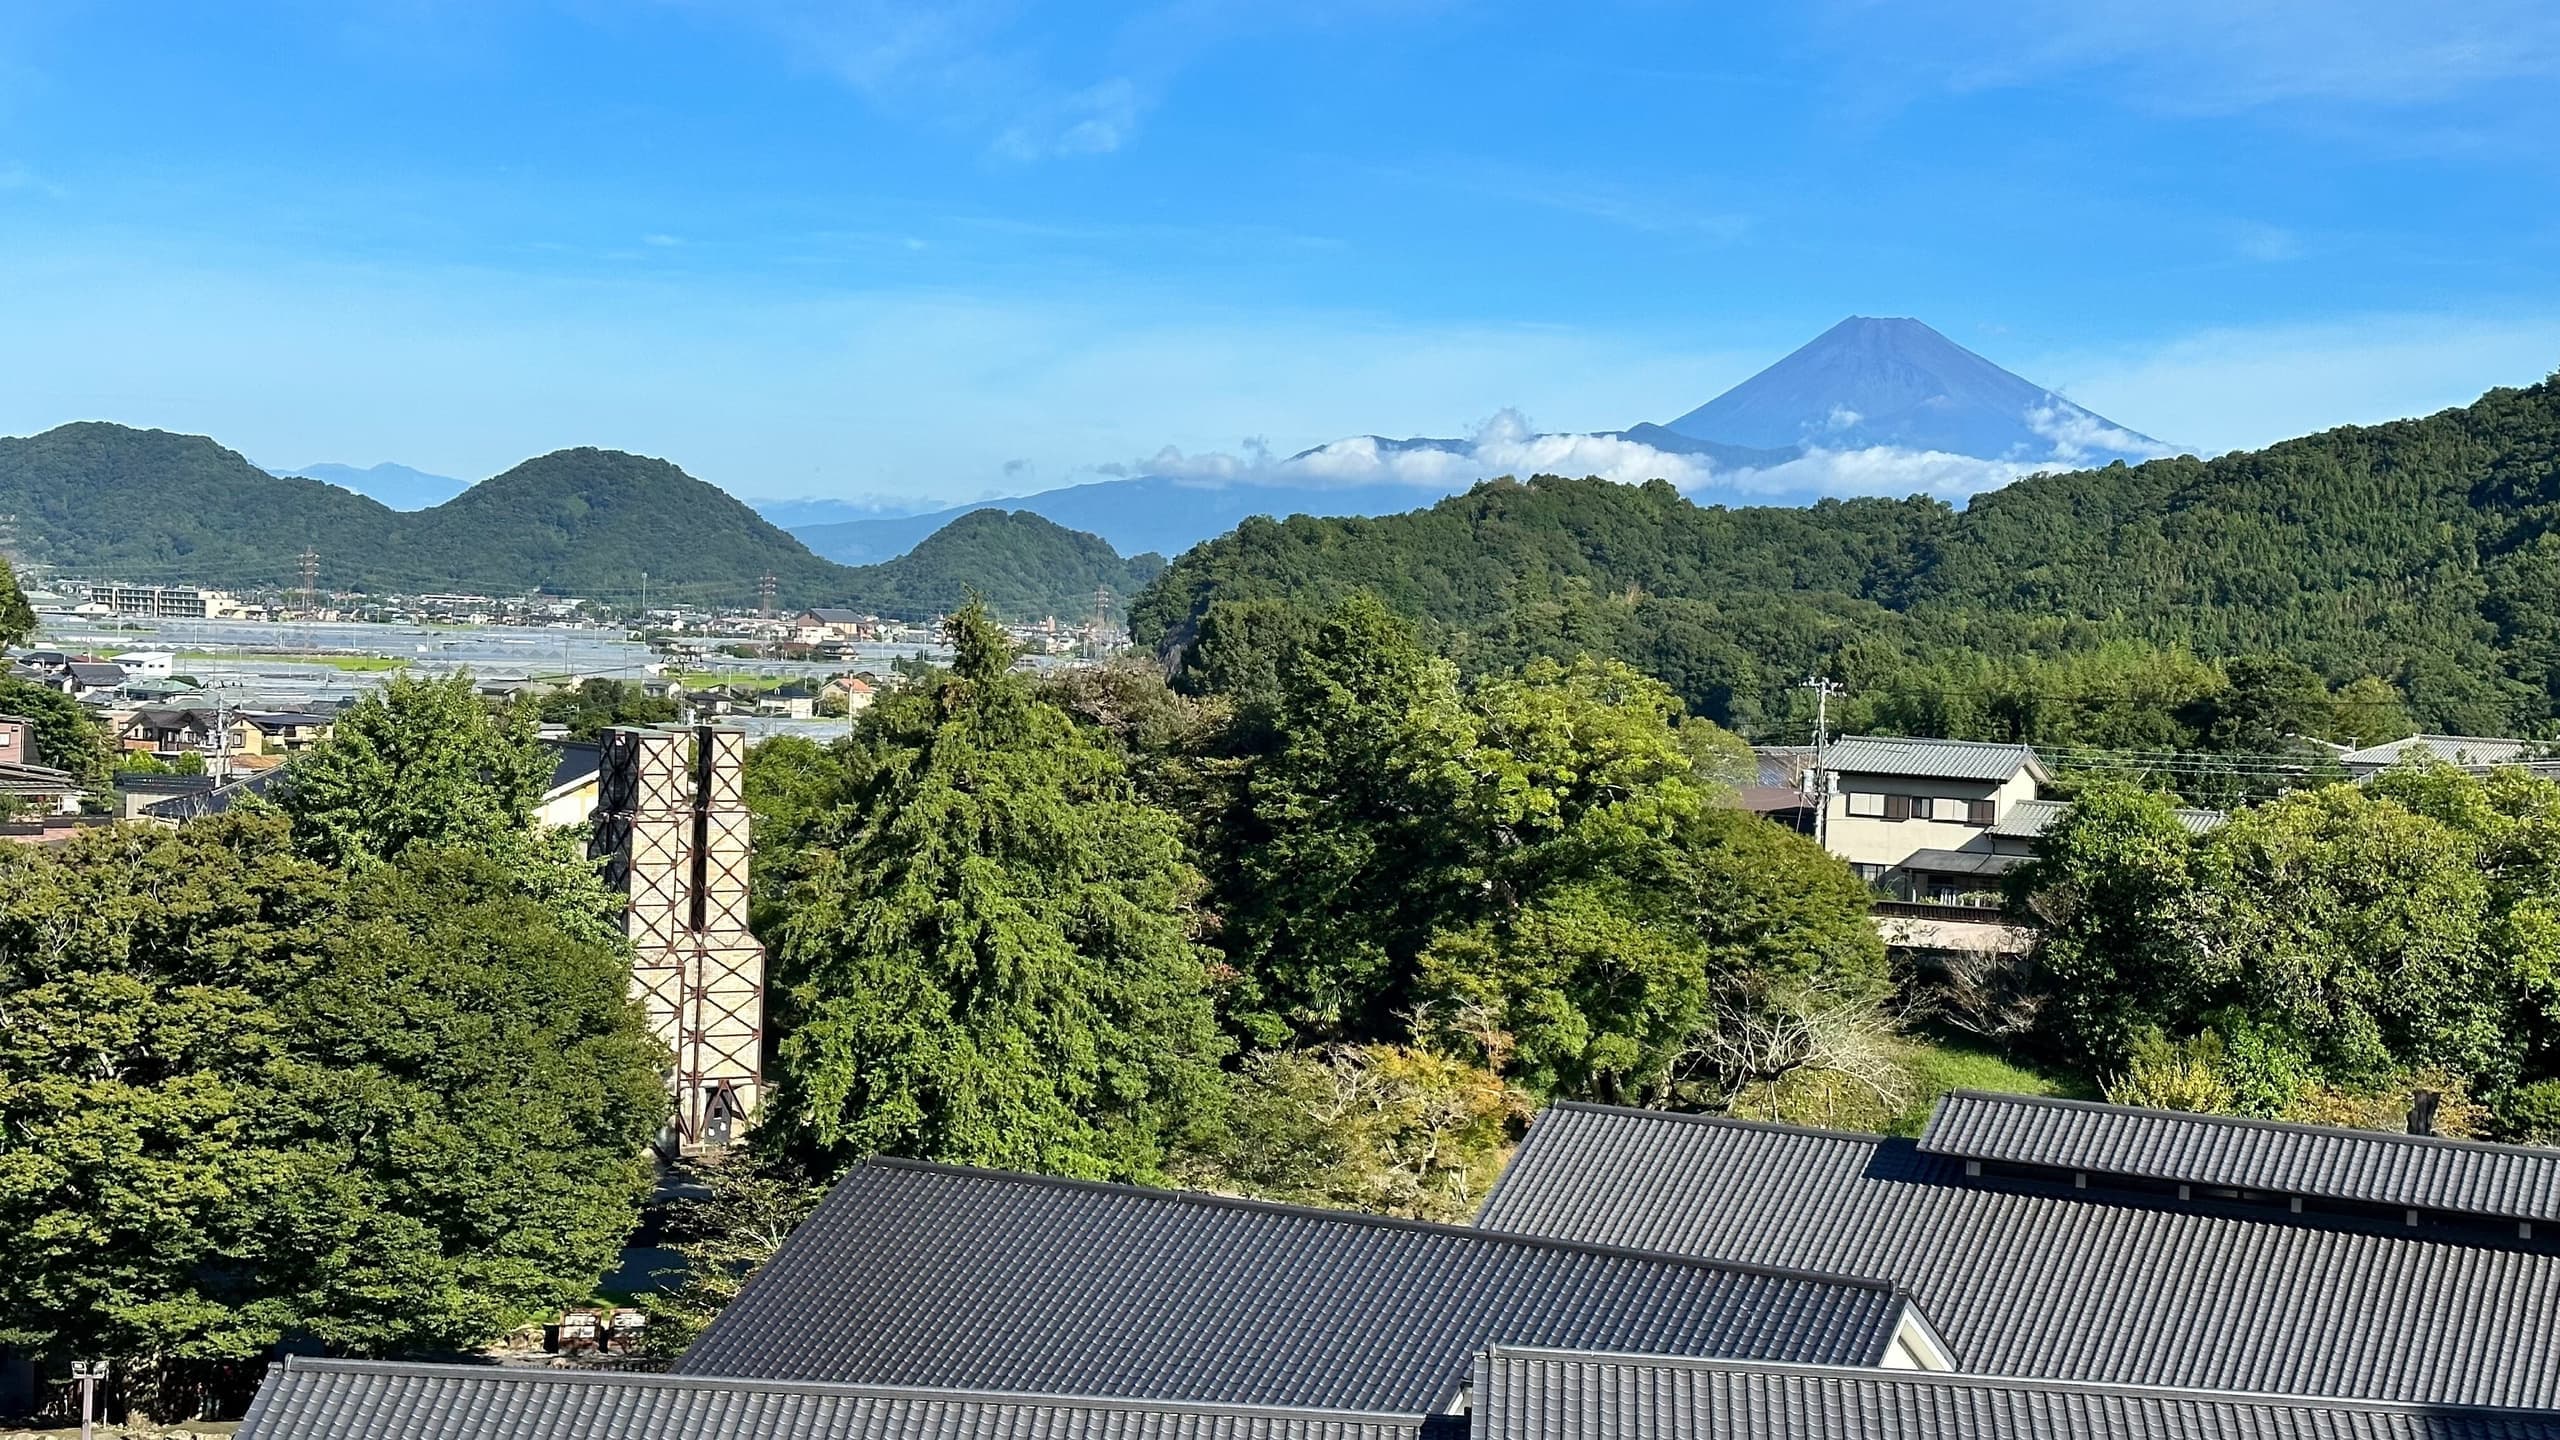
(1930, 1068)
(1937, 1067)
(353, 664)
(736, 679)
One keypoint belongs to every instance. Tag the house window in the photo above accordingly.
(1977, 812)
(1864, 803)
(1924, 808)
(1897, 807)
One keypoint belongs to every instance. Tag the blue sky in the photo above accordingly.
(957, 249)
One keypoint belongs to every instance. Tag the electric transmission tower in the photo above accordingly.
(1095, 643)
(310, 582)
(764, 596)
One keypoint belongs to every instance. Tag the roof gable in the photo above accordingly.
(304, 1399)
(1553, 1395)
(2452, 749)
(915, 1274)
(1930, 759)
(2024, 1278)
(2513, 1182)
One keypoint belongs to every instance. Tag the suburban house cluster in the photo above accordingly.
(211, 752)
(2025, 1268)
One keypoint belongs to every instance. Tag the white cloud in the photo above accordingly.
(1880, 470)
(2079, 437)
(1507, 444)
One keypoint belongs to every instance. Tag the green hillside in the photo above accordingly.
(2423, 553)
(149, 506)
(590, 522)
(1020, 563)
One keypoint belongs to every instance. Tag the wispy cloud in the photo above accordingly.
(965, 66)
(1653, 208)
(2214, 56)
(2265, 244)
(1093, 121)
(20, 180)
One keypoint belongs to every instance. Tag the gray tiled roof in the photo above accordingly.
(913, 1274)
(1554, 1395)
(2514, 1182)
(1936, 759)
(574, 762)
(2452, 749)
(1962, 862)
(218, 799)
(2022, 1278)
(2030, 818)
(378, 1400)
(1782, 764)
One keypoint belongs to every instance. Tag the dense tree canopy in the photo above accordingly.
(2343, 937)
(247, 1096)
(68, 737)
(427, 764)
(593, 706)
(1539, 871)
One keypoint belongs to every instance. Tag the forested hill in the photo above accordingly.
(1020, 563)
(148, 506)
(2424, 553)
(591, 522)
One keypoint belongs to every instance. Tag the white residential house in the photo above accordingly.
(1934, 825)
(147, 664)
(819, 626)
(1891, 804)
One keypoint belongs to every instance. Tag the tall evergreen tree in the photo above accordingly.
(17, 617)
(988, 956)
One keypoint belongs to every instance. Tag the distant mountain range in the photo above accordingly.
(1157, 513)
(102, 499)
(396, 486)
(1865, 384)
(149, 506)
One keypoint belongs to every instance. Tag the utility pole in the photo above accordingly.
(1823, 688)
(88, 1373)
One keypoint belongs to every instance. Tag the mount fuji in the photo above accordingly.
(1895, 382)
(1870, 406)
